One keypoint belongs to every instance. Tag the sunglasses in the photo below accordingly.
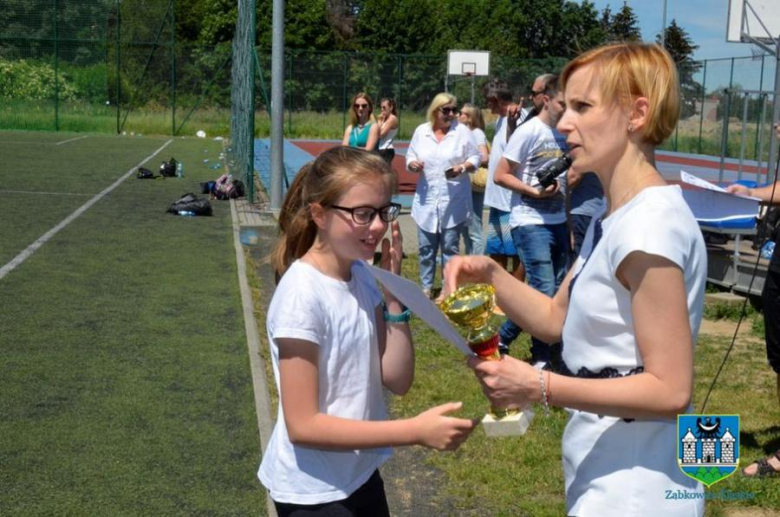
(360, 106)
(448, 111)
(535, 93)
(363, 215)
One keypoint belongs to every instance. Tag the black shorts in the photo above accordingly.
(367, 501)
(770, 302)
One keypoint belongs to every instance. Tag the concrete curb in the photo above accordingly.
(265, 424)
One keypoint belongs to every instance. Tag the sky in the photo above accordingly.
(704, 20)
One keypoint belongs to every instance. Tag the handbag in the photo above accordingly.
(479, 179)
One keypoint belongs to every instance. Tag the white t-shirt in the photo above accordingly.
(533, 145)
(479, 136)
(497, 196)
(613, 467)
(441, 203)
(386, 142)
(340, 318)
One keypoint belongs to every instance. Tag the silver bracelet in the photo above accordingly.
(544, 393)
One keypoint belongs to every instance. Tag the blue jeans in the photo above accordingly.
(543, 249)
(448, 240)
(472, 234)
(579, 227)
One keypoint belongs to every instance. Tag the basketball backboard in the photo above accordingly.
(468, 62)
(752, 19)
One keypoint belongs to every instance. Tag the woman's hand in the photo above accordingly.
(508, 383)
(416, 166)
(548, 192)
(467, 269)
(438, 431)
(738, 189)
(393, 250)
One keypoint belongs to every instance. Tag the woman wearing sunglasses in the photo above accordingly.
(442, 152)
(362, 131)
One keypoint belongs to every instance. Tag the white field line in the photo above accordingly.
(46, 193)
(71, 140)
(43, 239)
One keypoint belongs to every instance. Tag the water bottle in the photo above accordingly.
(186, 212)
(767, 250)
(179, 170)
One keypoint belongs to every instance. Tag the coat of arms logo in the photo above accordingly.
(708, 446)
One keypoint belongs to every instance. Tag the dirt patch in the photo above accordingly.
(726, 328)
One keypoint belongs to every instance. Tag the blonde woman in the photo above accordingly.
(629, 310)
(442, 152)
(362, 131)
(471, 117)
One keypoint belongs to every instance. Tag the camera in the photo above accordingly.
(552, 170)
(450, 173)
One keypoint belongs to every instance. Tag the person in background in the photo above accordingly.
(337, 342)
(628, 312)
(471, 117)
(362, 131)
(388, 128)
(443, 153)
(585, 199)
(538, 216)
(498, 239)
(770, 306)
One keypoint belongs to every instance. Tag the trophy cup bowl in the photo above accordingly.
(470, 308)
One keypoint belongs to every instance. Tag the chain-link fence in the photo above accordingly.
(106, 65)
(116, 66)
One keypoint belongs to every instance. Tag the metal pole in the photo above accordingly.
(172, 8)
(743, 136)
(345, 106)
(473, 78)
(724, 138)
(118, 64)
(775, 111)
(277, 104)
(703, 96)
(56, 70)
(663, 28)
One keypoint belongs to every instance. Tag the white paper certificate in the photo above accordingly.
(412, 296)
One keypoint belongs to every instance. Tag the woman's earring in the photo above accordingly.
(631, 128)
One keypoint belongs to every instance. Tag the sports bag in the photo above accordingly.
(191, 203)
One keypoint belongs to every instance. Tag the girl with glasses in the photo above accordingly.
(362, 131)
(443, 153)
(336, 341)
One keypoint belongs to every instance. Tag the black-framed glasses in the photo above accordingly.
(365, 214)
(448, 111)
(358, 106)
(534, 93)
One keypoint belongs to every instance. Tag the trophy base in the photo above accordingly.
(510, 425)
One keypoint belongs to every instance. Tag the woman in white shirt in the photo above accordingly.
(442, 152)
(388, 128)
(629, 310)
(471, 116)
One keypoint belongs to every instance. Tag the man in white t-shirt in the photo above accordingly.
(538, 216)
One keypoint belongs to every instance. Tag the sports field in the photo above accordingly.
(125, 384)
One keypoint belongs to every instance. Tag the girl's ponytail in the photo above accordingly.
(296, 228)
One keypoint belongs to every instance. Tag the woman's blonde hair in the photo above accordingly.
(353, 116)
(475, 116)
(627, 71)
(440, 100)
(322, 181)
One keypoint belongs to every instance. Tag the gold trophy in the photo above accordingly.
(471, 308)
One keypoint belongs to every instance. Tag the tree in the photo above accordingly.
(623, 25)
(681, 48)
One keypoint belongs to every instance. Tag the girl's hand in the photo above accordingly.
(437, 431)
(393, 250)
(508, 383)
(467, 269)
(738, 189)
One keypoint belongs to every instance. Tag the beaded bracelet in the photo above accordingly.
(544, 394)
(404, 317)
